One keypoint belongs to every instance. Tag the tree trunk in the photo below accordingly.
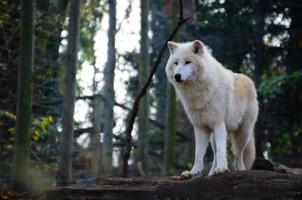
(24, 102)
(98, 106)
(143, 115)
(65, 162)
(293, 61)
(170, 129)
(108, 93)
(260, 65)
(295, 39)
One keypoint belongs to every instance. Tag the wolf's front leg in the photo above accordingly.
(220, 164)
(213, 145)
(201, 142)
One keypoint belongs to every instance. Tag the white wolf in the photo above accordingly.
(217, 101)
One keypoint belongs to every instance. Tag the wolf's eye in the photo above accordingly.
(176, 63)
(187, 62)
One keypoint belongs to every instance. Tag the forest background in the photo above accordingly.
(118, 43)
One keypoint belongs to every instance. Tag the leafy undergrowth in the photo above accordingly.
(9, 194)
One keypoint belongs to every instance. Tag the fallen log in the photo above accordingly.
(247, 185)
(264, 164)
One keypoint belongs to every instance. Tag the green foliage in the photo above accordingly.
(43, 155)
(39, 127)
(283, 144)
(91, 17)
(272, 85)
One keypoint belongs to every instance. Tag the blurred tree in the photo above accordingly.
(289, 140)
(170, 123)
(143, 71)
(108, 93)
(46, 96)
(92, 15)
(293, 60)
(160, 27)
(24, 100)
(64, 171)
(259, 57)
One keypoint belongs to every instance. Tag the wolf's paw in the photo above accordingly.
(188, 174)
(219, 170)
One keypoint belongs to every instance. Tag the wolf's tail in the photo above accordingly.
(249, 153)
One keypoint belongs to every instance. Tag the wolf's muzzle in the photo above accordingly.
(177, 78)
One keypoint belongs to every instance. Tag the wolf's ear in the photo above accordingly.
(172, 46)
(198, 47)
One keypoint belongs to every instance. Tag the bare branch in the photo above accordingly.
(143, 90)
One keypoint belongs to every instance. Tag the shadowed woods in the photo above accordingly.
(84, 96)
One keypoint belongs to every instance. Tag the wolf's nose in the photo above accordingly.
(177, 77)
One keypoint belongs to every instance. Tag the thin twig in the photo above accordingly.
(143, 90)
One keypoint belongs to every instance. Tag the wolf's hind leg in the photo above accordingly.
(202, 139)
(240, 140)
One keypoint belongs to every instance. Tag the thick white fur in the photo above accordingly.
(217, 102)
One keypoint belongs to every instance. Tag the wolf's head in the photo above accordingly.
(186, 61)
